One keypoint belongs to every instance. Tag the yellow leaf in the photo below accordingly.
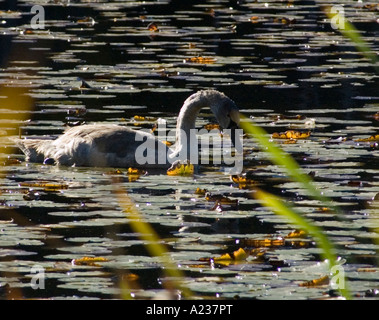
(130, 277)
(167, 143)
(258, 252)
(212, 126)
(88, 261)
(180, 169)
(114, 172)
(141, 118)
(324, 209)
(368, 269)
(290, 141)
(200, 191)
(372, 138)
(134, 174)
(298, 244)
(244, 182)
(47, 186)
(237, 255)
(296, 234)
(134, 171)
(10, 161)
(153, 27)
(201, 60)
(315, 282)
(240, 255)
(224, 257)
(254, 19)
(265, 242)
(291, 134)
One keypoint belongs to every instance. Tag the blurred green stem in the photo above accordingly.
(348, 30)
(153, 243)
(284, 160)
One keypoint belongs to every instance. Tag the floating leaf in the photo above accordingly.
(9, 13)
(368, 269)
(238, 255)
(224, 257)
(324, 209)
(47, 186)
(316, 282)
(285, 20)
(290, 141)
(254, 19)
(153, 27)
(298, 243)
(180, 169)
(201, 60)
(130, 277)
(114, 172)
(296, 234)
(141, 118)
(32, 195)
(372, 138)
(135, 171)
(212, 126)
(10, 161)
(291, 134)
(134, 174)
(87, 20)
(286, 117)
(200, 191)
(257, 252)
(243, 181)
(220, 199)
(88, 261)
(265, 242)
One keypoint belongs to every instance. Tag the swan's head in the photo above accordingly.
(224, 108)
(225, 111)
(228, 115)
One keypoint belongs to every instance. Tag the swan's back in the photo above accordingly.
(93, 145)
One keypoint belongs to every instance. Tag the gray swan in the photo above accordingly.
(106, 145)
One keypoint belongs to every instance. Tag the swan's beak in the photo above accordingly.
(234, 124)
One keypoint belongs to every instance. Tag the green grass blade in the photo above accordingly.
(279, 207)
(152, 242)
(283, 159)
(294, 171)
(349, 31)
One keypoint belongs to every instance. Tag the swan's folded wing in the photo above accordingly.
(129, 148)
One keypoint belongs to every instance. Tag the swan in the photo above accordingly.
(107, 145)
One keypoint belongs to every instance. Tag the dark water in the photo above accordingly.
(273, 59)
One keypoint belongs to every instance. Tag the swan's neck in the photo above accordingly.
(186, 121)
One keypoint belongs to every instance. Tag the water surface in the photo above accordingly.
(109, 61)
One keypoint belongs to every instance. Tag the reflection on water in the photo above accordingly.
(109, 61)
